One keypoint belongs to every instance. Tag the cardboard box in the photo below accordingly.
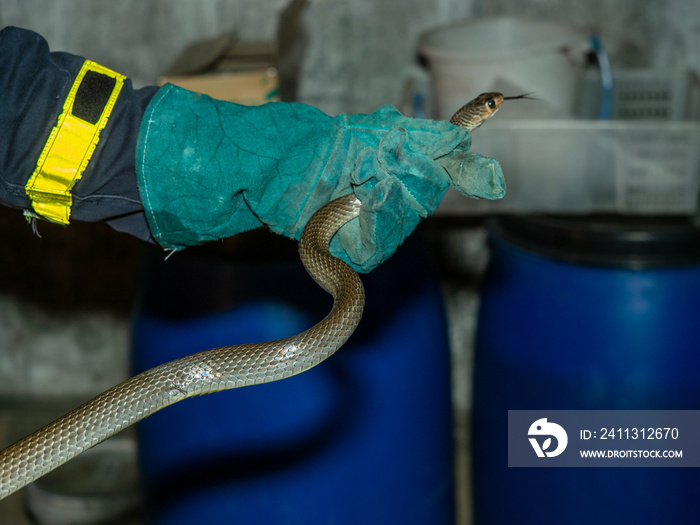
(227, 69)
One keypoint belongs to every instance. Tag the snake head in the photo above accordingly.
(488, 103)
(475, 112)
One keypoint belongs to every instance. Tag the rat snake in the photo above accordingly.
(219, 368)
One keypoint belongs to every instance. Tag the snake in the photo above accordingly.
(224, 367)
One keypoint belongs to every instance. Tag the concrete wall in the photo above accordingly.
(358, 51)
(138, 37)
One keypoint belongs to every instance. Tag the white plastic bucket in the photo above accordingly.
(505, 54)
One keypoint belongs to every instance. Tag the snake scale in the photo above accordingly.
(224, 367)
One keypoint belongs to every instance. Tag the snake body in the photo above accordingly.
(220, 368)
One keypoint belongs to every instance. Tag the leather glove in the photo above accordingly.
(208, 169)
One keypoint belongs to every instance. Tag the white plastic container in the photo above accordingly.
(505, 54)
(646, 161)
(588, 166)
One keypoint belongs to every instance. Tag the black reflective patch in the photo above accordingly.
(93, 93)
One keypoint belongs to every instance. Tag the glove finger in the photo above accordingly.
(474, 175)
(424, 181)
(433, 138)
(375, 236)
(367, 172)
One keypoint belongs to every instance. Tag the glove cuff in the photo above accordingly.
(186, 198)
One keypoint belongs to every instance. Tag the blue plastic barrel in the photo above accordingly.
(585, 314)
(365, 437)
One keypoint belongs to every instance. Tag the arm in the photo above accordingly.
(34, 84)
(183, 169)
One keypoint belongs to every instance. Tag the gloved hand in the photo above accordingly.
(208, 169)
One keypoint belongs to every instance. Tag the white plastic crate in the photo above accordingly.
(645, 164)
(643, 94)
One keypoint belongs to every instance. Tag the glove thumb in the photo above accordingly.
(474, 175)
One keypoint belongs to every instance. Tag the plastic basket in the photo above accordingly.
(644, 94)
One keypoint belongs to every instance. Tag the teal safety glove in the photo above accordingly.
(208, 169)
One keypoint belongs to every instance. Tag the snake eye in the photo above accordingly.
(491, 103)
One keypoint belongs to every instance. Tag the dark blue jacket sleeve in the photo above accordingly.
(34, 83)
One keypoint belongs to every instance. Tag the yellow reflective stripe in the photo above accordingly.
(67, 152)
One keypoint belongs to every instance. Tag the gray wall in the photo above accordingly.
(137, 37)
(357, 51)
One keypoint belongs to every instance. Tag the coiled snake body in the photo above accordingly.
(220, 368)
